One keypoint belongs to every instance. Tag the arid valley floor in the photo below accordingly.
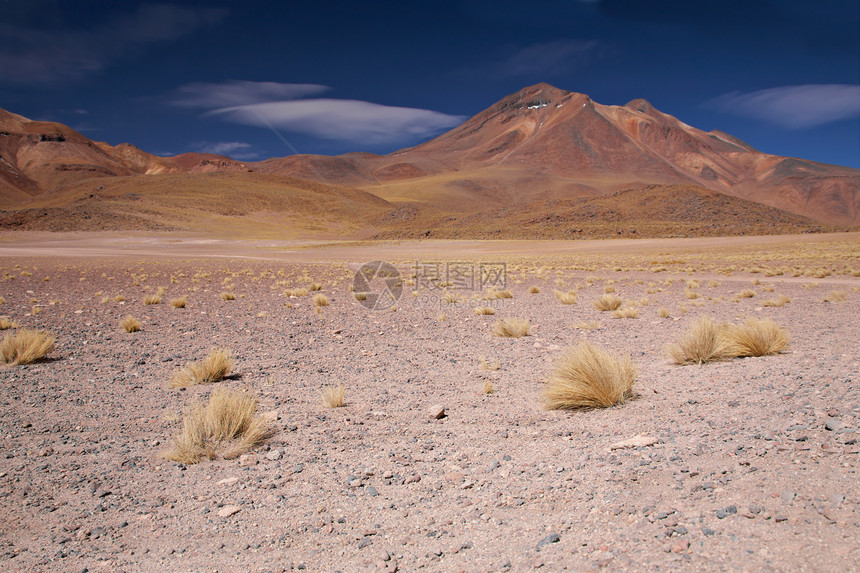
(754, 466)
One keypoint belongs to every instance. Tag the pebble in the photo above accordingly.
(638, 441)
(707, 531)
(274, 455)
(551, 538)
(371, 491)
(229, 510)
(833, 424)
(787, 496)
(436, 411)
(247, 460)
(228, 481)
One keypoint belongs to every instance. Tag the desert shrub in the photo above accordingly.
(626, 313)
(320, 299)
(607, 302)
(6, 323)
(152, 299)
(178, 302)
(484, 310)
(226, 426)
(119, 298)
(360, 295)
(296, 292)
(836, 296)
(756, 337)
(211, 369)
(226, 295)
(450, 297)
(314, 286)
(568, 297)
(511, 328)
(333, 396)
(534, 289)
(488, 387)
(663, 312)
(587, 376)
(609, 289)
(746, 293)
(702, 342)
(130, 324)
(781, 300)
(26, 346)
(486, 365)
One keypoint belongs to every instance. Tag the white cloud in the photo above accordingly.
(221, 147)
(794, 107)
(40, 56)
(548, 58)
(236, 93)
(346, 120)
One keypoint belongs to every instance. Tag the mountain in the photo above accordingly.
(542, 162)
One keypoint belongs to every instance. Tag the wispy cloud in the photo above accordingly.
(548, 58)
(279, 106)
(793, 107)
(40, 56)
(235, 149)
(345, 120)
(236, 93)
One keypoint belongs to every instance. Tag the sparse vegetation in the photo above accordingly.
(746, 293)
(488, 387)
(226, 295)
(211, 369)
(587, 376)
(626, 313)
(836, 296)
(589, 325)
(781, 300)
(606, 302)
(360, 295)
(511, 328)
(703, 342)
(6, 323)
(178, 302)
(485, 365)
(226, 426)
(568, 297)
(26, 346)
(756, 337)
(663, 312)
(320, 299)
(333, 396)
(484, 310)
(130, 324)
(534, 289)
(152, 299)
(706, 341)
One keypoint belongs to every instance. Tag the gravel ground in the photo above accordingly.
(754, 466)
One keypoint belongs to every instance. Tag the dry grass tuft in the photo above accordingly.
(534, 289)
(26, 346)
(511, 328)
(590, 325)
(228, 296)
(225, 426)
(152, 299)
(321, 300)
(333, 396)
(211, 369)
(568, 297)
(296, 292)
(836, 296)
(703, 342)
(607, 302)
(663, 312)
(747, 293)
(756, 337)
(130, 324)
(485, 365)
(781, 300)
(360, 295)
(178, 302)
(119, 298)
(587, 376)
(315, 286)
(450, 297)
(626, 313)
(484, 310)
(488, 387)
(6, 323)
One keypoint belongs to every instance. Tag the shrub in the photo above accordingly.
(488, 387)
(450, 297)
(228, 296)
(836, 296)
(781, 300)
(152, 299)
(225, 426)
(211, 369)
(703, 342)
(607, 302)
(534, 289)
(333, 396)
(26, 346)
(130, 324)
(747, 293)
(178, 302)
(314, 286)
(484, 310)
(663, 312)
(119, 298)
(626, 313)
(321, 300)
(360, 295)
(6, 323)
(586, 376)
(756, 337)
(511, 328)
(568, 297)
(485, 365)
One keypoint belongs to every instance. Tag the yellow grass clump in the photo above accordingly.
(781, 300)
(486, 365)
(130, 324)
(296, 292)
(333, 396)
(488, 387)
(511, 328)
(484, 310)
(663, 312)
(7, 323)
(534, 289)
(228, 296)
(152, 299)
(360, 295)
(607, 302)
(703, 342)
(568, 297)
(119, 298)
(321, 300)
(836, 296)
(178, 302)
(315, 286)
(26, 346)
(587, 376)
(211, 369)
(226, 426)
(746, 293)
(626, 313)
(756, 337)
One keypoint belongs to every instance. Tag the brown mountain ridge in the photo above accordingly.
(542, 162)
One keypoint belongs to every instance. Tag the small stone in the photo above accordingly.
(371, 491)
(454, 477)
(780, 518)
(638, 441)
(383, 555)
(247, 460)
(722, 514)
(707, 531)
(755, 508)
(551, 538)
(436, 411)
(228, 481)
(298, 468)
(229, 510)
(680, 546)
(414, 478)
(833, 424)
(274, 455)
(365, 541)
(787, 496)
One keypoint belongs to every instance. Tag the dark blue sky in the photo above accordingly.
(259, 79)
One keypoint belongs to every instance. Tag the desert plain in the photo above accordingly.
(751, 463)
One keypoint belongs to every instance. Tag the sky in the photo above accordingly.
(254, 79)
